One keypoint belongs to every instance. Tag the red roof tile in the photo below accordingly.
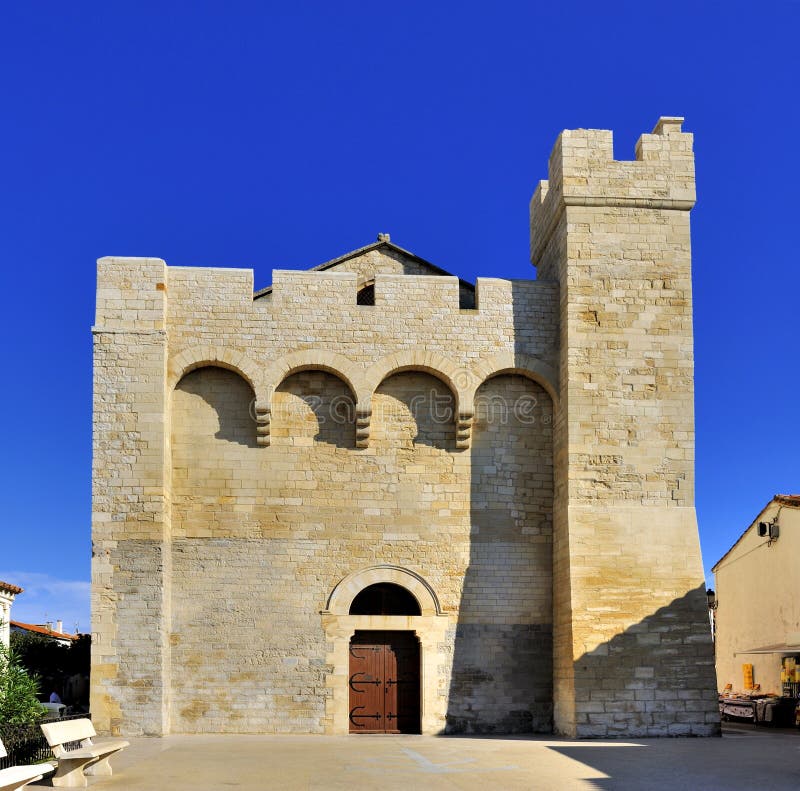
(30, 627)
(7, 586)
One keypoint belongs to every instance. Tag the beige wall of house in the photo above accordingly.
(524, 456)
(758, 598)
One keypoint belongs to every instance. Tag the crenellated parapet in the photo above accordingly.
(583, 172)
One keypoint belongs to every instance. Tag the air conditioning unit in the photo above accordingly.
(770, 529)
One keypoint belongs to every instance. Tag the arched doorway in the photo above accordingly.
(384, 666)
(386, 631)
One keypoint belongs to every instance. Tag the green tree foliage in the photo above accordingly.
(43, 658)
(52, 662)
(18, 691)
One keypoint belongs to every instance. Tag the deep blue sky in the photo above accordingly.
(271, 135)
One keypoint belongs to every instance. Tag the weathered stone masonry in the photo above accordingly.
(519, 457)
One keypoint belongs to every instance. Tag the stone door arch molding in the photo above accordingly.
(347, 589)
(430, 627)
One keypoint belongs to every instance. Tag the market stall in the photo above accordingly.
(771, 708)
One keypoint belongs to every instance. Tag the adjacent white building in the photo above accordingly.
(758, 599)
(7, 594)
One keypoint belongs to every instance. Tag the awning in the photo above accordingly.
(778, 648)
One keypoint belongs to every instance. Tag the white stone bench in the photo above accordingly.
(16, 777)
(92, 756)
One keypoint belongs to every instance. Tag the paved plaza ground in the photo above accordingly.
(744, 758)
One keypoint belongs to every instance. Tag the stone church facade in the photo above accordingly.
(375, 497)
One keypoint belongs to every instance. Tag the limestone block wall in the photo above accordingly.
(262, 535)
(502, 660)
(305, 438)
(369, 262)
(632, 646)
(130, 498)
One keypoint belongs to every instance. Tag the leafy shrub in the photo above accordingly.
(18, 691)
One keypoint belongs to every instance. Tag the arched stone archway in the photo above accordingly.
(430, 628)
(188, 360)
(195, 357)
(459, 380)
(320, 360)
(510, 363)
(317, 359)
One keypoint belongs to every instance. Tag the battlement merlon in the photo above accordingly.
(131, 295)
(583, 172)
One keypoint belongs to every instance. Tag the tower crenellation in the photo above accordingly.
(582, 171)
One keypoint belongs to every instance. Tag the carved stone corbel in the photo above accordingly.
(363, 418)
(464, 429)
(263, 412)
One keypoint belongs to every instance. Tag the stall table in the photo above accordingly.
(766, 710)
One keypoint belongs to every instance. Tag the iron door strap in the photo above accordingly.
(353, 716)
(354, 680)
(354, 648)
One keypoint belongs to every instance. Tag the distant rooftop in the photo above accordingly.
(9, 588)
(43, 630)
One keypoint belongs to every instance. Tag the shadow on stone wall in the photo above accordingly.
(502, 662)
(229, 396)
(413, 408)
(314, 404)
(656, 678)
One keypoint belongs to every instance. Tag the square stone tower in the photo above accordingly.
(632, 648)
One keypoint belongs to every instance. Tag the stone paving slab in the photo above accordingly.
(741, 759)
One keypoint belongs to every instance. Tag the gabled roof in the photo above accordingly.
(43, 630)
(792, 500)
(383, 243)
(9, 588)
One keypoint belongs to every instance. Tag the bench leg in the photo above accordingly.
(19, 786)
(101, 768)
(70, 774)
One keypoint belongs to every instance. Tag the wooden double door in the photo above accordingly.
(384, 683)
